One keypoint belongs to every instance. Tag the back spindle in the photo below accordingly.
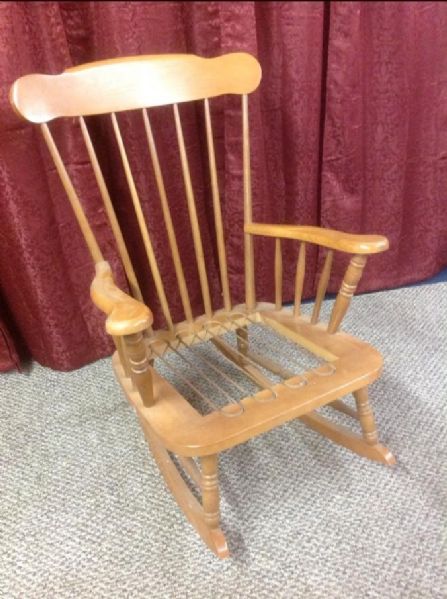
(167, 218)
(142, 224)
(299, 279)
(249, 262)
(322, 286)
(122, 249)
(217, 210)
(198, 247)
(87, 232)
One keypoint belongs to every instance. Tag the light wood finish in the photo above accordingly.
(249, 260)
(190, 467)
(142, 224)
(322, 286)
(131, 277)
(347, 290)
(335, 240)
(140, 371)
(125, 315)
(198, 246)
(340, 406)
(343, 436)
(299, 279)
(217, 209)
(87, 232)
(278, 274)
(192, 509)
(210, 490)
(132, 83)
(169, 421)
(182, 430)
(168, 219)
(119, 344)
(366, 416)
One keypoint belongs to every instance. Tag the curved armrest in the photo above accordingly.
(126, 315)
(336, 240)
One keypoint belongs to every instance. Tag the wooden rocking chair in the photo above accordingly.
(173, 423)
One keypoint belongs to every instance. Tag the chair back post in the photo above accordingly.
(142, 83)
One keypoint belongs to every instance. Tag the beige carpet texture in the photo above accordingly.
(84, 512)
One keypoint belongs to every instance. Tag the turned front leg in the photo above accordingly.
(366, 416)
(140, 374)
(210, 490)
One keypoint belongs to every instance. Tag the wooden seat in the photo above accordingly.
(205, 384)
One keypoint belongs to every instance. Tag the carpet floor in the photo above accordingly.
(84, 512)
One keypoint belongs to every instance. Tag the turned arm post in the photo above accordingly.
(139, 366)
(347, 289)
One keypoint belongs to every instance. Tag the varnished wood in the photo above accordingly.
(195, 513)
(167, 218)
(322, 286)
(366, 416)
(210, 490)
(278, 274)
(126, 315)
(198, 246)
(347, 290)
(169, 421)
(335, 240)
(132, 83)
(299, 279)
(87, 232)
(124, 254)
(119, 344)
(249, 260)
(140, 371)
(343, 436)
(142, 224)
(217, 210)
(342, 407)
(190, 467)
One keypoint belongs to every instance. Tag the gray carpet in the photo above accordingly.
(84, 512)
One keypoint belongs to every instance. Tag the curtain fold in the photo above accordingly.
(348, 131)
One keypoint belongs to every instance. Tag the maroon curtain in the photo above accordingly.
(348, 131)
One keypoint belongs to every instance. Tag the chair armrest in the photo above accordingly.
(126, 315)
(336, 240)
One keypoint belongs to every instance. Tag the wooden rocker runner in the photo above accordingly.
(220, 360)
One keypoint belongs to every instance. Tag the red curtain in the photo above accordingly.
(348, 131)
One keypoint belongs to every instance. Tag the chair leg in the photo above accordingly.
(366, 416)
(205, 518)
(367, 445)
(210, 490)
